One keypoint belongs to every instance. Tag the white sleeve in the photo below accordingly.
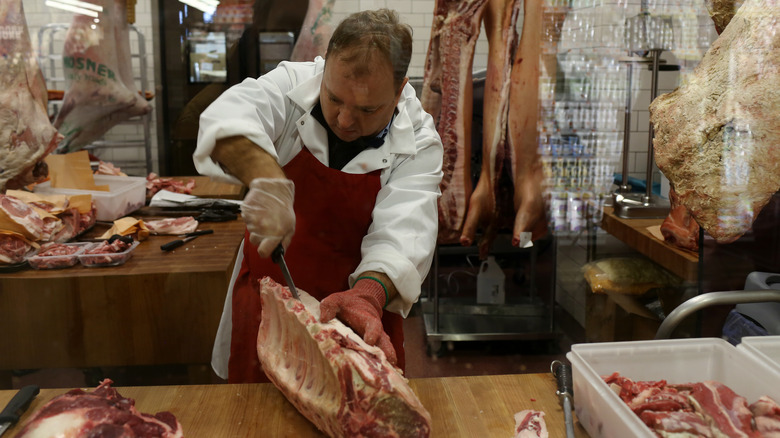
(402, 237)
(254, 109)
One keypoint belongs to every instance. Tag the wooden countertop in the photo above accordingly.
(468, 407)
(207, 187)
(157, 308)
(634, 233)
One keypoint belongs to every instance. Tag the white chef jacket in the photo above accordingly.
(274, 112)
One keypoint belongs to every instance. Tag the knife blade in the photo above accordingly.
(16, 407)
(278, 257)
(562, 374)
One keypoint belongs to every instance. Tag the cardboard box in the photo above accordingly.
(126, 194)
(603, 414)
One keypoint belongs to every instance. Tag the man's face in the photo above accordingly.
(359, 105)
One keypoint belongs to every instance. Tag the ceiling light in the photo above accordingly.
(72, 8)
(207, 6)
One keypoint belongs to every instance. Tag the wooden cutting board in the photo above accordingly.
(468, 407)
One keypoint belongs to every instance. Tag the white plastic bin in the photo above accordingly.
(765, 348)
(603, 414)
(126, 194)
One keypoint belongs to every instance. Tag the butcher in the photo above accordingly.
(343, 168)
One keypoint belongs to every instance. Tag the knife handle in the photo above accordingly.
(276, 256)
(172, 245)
(562, 374)
(18, 404)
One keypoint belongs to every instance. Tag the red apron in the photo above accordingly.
(333, 213)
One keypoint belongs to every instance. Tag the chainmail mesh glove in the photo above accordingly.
(268, 212)
(361, 309)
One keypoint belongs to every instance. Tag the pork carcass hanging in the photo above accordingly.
(523, 151)
(100, 89)
(344, 386)
(717, 136)
(315, 32)
(447, 95)
(485, 203)
(26, 134)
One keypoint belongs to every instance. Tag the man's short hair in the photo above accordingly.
(363, 34)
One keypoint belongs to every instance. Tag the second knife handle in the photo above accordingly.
(171, 245)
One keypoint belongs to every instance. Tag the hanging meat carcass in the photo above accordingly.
(717, 136)
(98, 69)
(26, 135)
(527, 170)
(315, 31)
(447, 95)
(485, 203)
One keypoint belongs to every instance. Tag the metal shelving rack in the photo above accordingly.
(50, 61)
(525, 316)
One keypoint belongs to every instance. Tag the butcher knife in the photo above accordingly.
(16, 407)
(278, 257)
(562, 373)
(187, 237)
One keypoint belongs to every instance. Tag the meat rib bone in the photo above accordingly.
(341, 384)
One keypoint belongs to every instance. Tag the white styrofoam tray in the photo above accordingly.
(125, 194)
(603, 414)
(765, 348)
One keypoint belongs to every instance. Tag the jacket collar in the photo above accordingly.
(400, 137)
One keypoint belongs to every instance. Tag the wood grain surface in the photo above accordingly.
(467, 407)
(157, 308)
(207, 187)
(634, 233)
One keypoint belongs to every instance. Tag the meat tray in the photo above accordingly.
(58, 261)
(603, 414)
(109, 259)
(765, 348)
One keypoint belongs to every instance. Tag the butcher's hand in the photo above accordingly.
(268, 212)
(361, 309)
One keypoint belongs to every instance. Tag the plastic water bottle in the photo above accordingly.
(490, 282)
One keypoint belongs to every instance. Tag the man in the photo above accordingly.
(343, 168)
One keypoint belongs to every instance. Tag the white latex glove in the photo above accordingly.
(268, 212)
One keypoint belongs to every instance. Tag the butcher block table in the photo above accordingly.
(207, 187)
(468, 407)
(634, 233)
(157, 308)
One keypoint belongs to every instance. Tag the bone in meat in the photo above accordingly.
(100, 413)
(500, 21)
(717, 136)
(454, 34)
(529, 204)
(99, 94)
(721, 12)
(315, 31)
(26, 134)
(679, 228)
(340, 383)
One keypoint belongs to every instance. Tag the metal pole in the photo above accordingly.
(712, 299)
(656, 54)
(624, 187)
